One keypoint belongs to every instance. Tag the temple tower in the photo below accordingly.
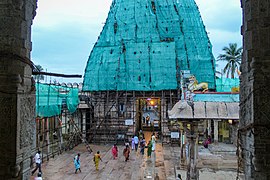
(138, 59)
(145, 44)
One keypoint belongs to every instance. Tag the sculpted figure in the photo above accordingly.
(195, 86)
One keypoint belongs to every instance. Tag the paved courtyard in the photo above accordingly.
(167, 165)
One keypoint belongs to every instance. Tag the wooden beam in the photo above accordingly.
(57, 75)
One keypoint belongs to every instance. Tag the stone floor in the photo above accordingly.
(211, 165)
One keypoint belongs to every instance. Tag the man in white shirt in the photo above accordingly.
(136, 142)
(37, 160)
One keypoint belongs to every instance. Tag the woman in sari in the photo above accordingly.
(114, 151)
(96, 159)
(126, 152)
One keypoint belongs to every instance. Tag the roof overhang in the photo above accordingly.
(205, 110)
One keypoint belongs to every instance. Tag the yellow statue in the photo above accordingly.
(194, 86)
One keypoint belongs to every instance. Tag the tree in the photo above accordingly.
(38, 68)
(232, 55)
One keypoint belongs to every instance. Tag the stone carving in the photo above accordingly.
(195, 86)
(15, 170)
(27, 121)
(6, 110)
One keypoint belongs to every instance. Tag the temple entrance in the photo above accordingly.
(149, 114)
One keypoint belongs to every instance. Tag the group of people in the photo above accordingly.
(126, 151)
(140, 142)
(136, 143)
(77, 161)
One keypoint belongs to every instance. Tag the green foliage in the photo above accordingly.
(232, 55)
(38, 78)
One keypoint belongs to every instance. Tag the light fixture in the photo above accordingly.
(152, 102)
(230, 121)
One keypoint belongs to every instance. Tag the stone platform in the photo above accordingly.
(166, 166)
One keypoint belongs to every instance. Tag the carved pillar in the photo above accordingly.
(255, 90)
(17, 93)
(84, 123)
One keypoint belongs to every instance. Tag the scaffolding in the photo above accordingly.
(59, 122)
(115, 116)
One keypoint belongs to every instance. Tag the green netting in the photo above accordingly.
(51, 98)
(226, 84)
(146, 43)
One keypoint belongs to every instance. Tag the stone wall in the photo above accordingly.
(234, 133)
(17, 93)
(255, 89)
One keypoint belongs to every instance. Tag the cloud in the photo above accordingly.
(223, 19)
(52, 13)
(221, 14)
(64, 31)
(220, 38)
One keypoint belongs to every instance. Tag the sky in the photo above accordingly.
(64, 31)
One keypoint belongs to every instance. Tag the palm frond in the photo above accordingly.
(233, 56)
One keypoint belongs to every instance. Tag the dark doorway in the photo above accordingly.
(149, 114)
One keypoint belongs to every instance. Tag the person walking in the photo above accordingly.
(132, 144)
(149, 149)
(142, 146)
(141, 136)
(114, 151)
(96, 159)
(136, 142)
(126, 153)
(153, 141)
(37, 160)
(77, 163)
(126, 142)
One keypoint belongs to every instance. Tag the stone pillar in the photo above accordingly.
(47, 139)
(254, 127)
(192, 136)
(84, 123)
(209, 129)
(215, 131)
(17, 92)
